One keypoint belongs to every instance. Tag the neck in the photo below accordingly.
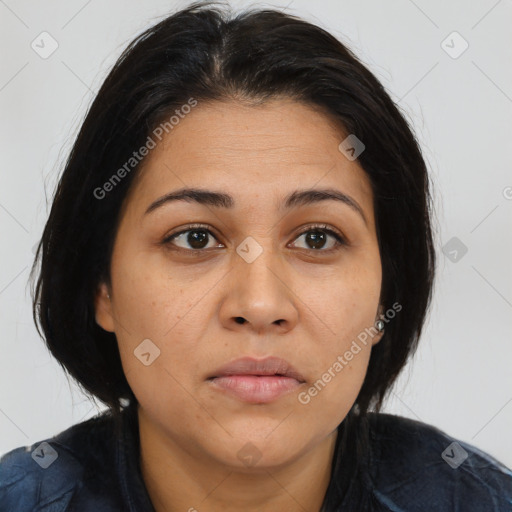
(179, 481)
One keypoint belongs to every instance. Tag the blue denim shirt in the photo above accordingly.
(415, 467)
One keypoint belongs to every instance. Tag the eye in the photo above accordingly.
(194, 238)
(316, 237)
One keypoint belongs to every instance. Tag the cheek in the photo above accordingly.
(157, 326)
(345, 303)
(343, 328)
(153, 299)
(340, 372)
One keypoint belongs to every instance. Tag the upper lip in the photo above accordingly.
(253, 366)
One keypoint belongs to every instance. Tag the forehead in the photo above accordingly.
(254, 153)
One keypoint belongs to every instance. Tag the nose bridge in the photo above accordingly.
(258, 291)
(258, 263)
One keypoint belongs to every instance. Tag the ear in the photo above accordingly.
(379, 335)
(377, 338)
(103, 308)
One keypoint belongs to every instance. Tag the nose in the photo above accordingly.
(258, 292)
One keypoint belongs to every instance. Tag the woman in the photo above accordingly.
(239, 262)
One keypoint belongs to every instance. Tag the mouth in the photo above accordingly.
(256, 380)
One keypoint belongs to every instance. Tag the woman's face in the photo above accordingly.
(176, 303)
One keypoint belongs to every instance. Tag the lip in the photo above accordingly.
(256, 380)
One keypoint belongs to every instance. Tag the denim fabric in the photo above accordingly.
(415, 467)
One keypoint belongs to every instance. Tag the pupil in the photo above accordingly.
(317, 238)
(195, 238)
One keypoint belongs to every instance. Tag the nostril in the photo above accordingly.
(239, 320)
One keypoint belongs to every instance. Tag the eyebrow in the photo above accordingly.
(222, 200)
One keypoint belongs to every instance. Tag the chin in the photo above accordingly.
(258, 447)
(249, 457)
(261, 430)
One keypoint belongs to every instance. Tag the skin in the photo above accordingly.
(187, 305)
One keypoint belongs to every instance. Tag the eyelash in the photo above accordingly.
(340, 240)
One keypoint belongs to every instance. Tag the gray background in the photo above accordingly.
(461, 109)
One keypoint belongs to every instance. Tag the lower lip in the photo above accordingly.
(254, 388)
